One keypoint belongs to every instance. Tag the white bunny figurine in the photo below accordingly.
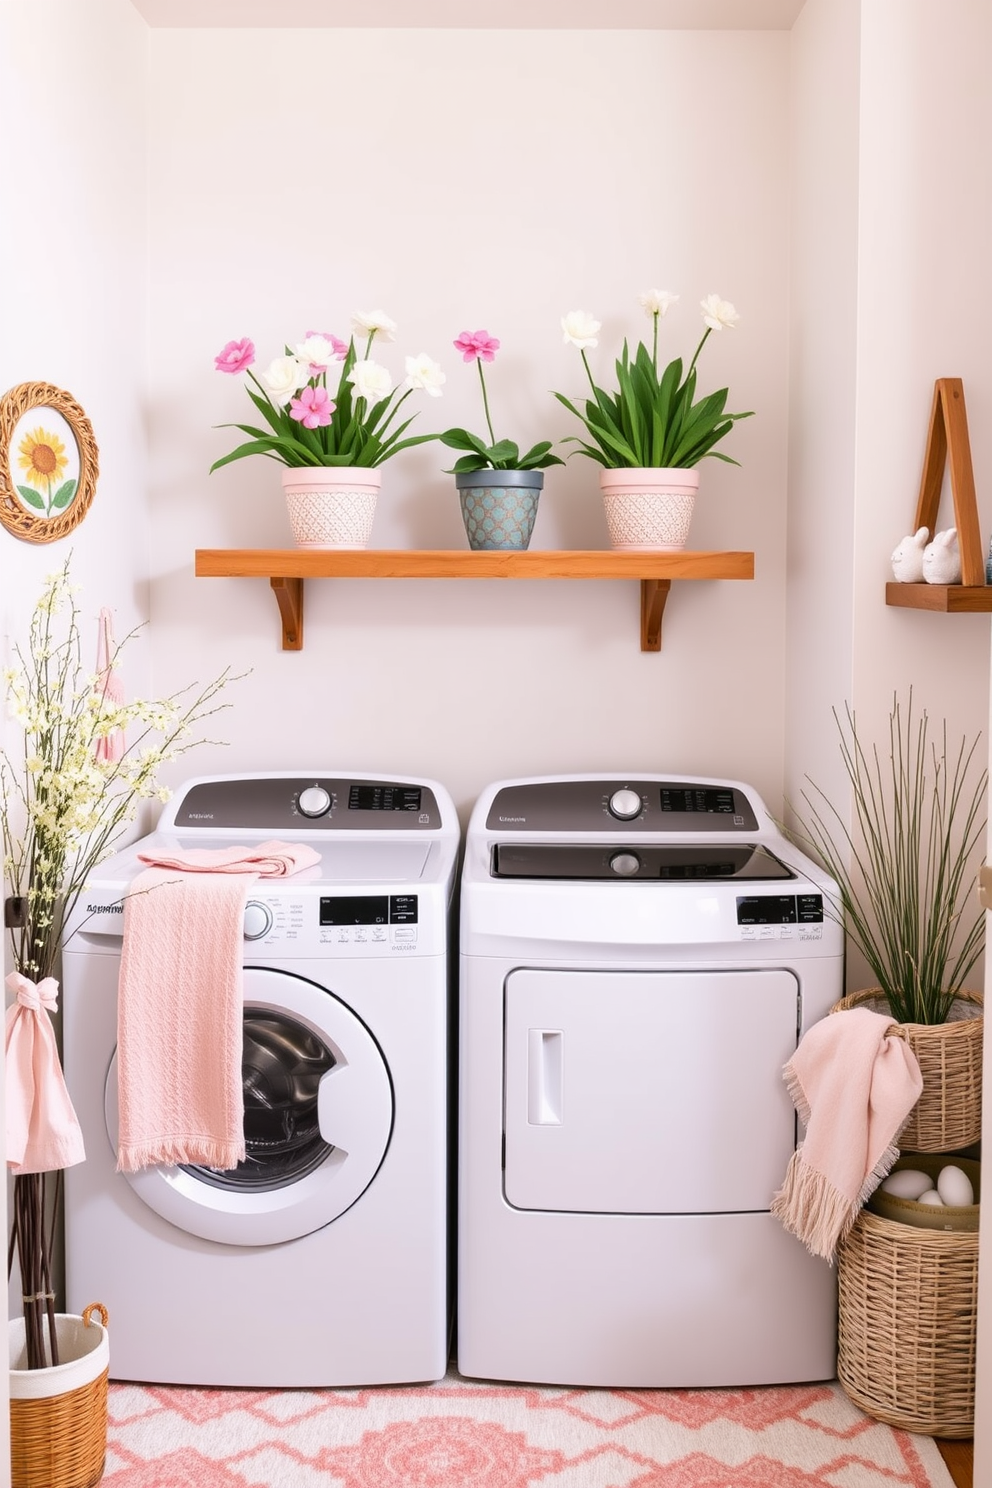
(907, 560)
(942, 559)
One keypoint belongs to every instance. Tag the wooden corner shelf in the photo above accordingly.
(287, 568)
(948, 599)
(947, 440)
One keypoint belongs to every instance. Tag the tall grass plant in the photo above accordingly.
(903, 865)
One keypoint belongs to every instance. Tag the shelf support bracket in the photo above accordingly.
(289, 597)
(654, 593)
(947, 440)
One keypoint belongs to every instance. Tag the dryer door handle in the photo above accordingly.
(545, 1076)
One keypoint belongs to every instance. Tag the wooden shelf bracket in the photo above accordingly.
(947, 440)
(289, 598)
(654, 594)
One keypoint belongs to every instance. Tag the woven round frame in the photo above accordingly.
(948, 1115)
(907, 1324)
(14, 515)
(60, 1441)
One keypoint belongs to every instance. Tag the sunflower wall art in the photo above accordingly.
(48, 462)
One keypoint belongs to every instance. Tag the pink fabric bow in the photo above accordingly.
(110, 747)
(43, 1133)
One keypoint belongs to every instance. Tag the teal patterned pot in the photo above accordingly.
(499, 507)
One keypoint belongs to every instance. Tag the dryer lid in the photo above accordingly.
(638, 861)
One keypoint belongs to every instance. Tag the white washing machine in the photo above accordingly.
(639, 958)
(322, 1259)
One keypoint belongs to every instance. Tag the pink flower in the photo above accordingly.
(479, 344)
(340, 347)
(312, 408)
(236, 356)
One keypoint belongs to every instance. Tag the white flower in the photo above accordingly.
(316, 351)
(373, 323)
(371, 381)
(580, 329)
(657, 301)
(285, 377)
(718, 313)
(423, 373)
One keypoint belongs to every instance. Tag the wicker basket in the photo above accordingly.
(58, 1416)
(948, 1115)
(907, 1324)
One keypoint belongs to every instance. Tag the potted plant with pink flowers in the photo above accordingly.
(498, 487)
(332, 417)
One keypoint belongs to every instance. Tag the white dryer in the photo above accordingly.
(321, 1259)
(639, 958)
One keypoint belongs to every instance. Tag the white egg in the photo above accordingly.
(931, 1197)
(954, 1187)
(907, 1183)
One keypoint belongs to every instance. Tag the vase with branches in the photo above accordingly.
(66, 799)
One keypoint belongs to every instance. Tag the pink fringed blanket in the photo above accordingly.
(180, 1000)
(854, 1089)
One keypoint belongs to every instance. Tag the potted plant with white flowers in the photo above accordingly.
(499, 488)
(650, 433)
(331, 413)
(86, 762)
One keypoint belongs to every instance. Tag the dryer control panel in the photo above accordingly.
(639, 806)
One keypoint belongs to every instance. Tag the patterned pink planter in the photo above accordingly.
(648, 511)
(331, 506)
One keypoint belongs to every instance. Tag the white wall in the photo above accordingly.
(887, 230)
(587, 168)
(72, 274)
(72, 301)
(824, 125)
(72, 291)
(925, 236)
(613, 162)
(891, 225)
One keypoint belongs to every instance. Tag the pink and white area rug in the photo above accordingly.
(463, 1434)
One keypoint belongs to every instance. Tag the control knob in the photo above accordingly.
(627, 864)
(258, 920)
(314, 801)
(625, 804)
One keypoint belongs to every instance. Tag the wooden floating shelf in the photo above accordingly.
(948, 599)
(287, 568)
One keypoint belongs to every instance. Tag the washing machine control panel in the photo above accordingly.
(352, 922)
(284, 804)
(650, 807)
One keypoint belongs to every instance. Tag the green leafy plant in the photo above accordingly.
(309, 426)
(499, 454)
(87, 761)
(903, 865)
(653, 419)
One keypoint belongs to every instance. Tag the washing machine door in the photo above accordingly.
(648, 1092)
(318, 1118)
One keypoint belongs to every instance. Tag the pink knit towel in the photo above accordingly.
(854, 1089)
(271, 859)
(180, 1003)
(42, 1130)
